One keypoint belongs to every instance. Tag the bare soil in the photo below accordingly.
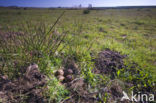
(28, 87)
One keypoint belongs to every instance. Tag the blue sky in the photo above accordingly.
(71, 3)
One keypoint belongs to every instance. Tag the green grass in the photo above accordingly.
(129, 31)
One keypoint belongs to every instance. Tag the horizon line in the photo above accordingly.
(81, 7)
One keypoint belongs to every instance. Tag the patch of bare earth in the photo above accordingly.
(108, 62)
(28, 87)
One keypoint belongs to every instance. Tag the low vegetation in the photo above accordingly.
(87, 11)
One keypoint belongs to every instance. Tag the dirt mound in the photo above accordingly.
(79, 92)
(108, 62)
(26, 88)
(115, 90)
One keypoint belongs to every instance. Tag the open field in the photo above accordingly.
(77, 39)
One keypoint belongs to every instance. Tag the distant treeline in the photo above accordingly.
(123, 7)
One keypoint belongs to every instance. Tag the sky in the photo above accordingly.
(72, 3)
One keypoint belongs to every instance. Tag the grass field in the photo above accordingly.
(131, 32)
